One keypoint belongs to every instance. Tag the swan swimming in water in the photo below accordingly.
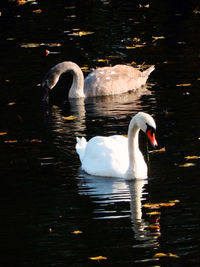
(116, 155)
(101, 82)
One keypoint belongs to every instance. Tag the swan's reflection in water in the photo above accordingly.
(116, 108)
(106, 192)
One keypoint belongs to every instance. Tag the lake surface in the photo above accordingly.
(54, 214)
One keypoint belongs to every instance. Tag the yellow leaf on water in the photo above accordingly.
(3, 133)
(155, 38)
(186, 165)
(70, 118)
(175, 201)
(135, 46)
(183, 84)
(21, 2)
(191, 157)
(37, 11)
(10, 141)
(159, 205)
(163, 149)
(160, 255)
(170, 204)
(77, 232)
(153, 213)
(102, 60)
(151, 205)
(98, 258)
(11, 103)
(35, 141)
(173, 255)
(54, 107)
(84, 68)
(170, 255)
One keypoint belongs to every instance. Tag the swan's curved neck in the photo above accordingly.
(136, 161)
(133, 145)
(77, 87)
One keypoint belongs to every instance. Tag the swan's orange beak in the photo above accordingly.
(151, 135)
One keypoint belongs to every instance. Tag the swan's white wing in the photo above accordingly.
(106, 156)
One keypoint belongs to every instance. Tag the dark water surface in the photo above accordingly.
(44, 196)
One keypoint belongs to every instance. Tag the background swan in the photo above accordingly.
(101, 82)
(116, 155)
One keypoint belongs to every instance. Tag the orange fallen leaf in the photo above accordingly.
(102, 60)
(3, 133)
(11, 103)
(21, 2)
(163, 149)
(186, 165)
(159, 205)
(170, 204)
(160, 255)
(10, 141)
(70, 118)
(35, 141)
(153, 213)
(183, 84)
(37, 11)
(98, 258)
(170, 255)
(77, 232)
(47, 52)
(135, 46)
(191, 157)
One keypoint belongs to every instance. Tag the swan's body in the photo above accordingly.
(101, 82)
(117, 156)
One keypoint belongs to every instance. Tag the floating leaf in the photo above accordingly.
(3, 133)
(55, 107)
(183, 84)
(175, 201)
(77, 232)
(159, 205)
(170, 255)
(11, 103)
(98, 258)
(160, 255)
(10, 141)
(35, 141)
(135, 46)
(154, 226)
(84, 68)
(170, 204)
(153, 213)
(21, 2)
(186, 165)
(102, 60)
(37, 11)
(151, 206)
(163, 149)
(155, 38)
(80, 33)
(70, 118)
(191, 157)
(47, 52)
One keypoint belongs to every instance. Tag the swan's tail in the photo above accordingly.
(147, 72)
(80, 147)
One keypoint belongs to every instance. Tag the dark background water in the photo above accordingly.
(44, 196)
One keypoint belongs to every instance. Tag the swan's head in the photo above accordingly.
(49, 81)
(147, 124)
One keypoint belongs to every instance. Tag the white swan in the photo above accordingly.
(101, 82)
(116, 155)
